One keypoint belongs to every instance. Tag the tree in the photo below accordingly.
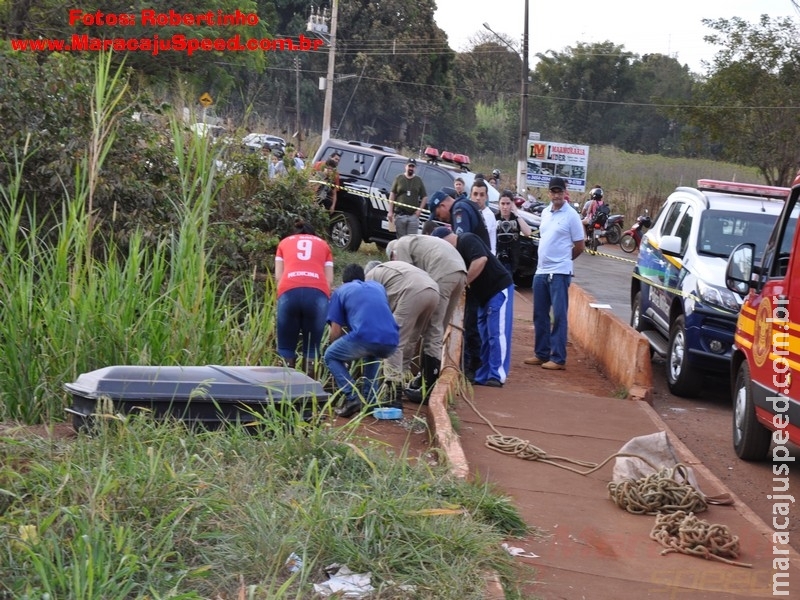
(404, 67)
(589, 80)
(749, 103)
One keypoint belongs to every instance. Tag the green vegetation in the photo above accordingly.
(139, 510)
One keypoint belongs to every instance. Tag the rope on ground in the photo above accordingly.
(525, 450)
(665, 491)
(684, 533)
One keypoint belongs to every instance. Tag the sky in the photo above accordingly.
(671, 27)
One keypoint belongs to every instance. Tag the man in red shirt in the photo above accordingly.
(304, 272)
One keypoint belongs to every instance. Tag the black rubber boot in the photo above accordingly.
(430, 373)
(349, 408)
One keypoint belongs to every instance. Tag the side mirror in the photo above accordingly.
(670, 245)
(739, 270)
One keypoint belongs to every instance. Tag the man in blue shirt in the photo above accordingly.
(362, 328)
(561, 240)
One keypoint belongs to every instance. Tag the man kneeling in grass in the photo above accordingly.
(362, 328)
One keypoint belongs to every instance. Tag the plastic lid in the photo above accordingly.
(387, 413)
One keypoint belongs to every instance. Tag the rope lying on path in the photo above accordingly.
(665, 491)
(684, 533)
(525, 450)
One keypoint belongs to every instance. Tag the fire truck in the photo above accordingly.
(765, 362)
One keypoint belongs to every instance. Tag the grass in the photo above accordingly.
(146, 510)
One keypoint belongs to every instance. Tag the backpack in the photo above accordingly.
(601, 215)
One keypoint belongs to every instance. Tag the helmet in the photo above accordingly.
(597, 193)
(496, 173)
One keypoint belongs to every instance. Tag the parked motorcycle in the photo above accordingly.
(614, 228)
(611, 231)
(631, 239)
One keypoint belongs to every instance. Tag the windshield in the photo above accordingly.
(721, 231)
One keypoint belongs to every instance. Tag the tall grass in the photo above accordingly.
(146, 510)
(78, 304)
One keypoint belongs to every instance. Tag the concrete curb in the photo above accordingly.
(597, 330)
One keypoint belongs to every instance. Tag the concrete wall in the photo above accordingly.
(623, 353)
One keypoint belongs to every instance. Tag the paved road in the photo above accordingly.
(607, 277)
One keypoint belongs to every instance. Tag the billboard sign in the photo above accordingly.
(546, 159)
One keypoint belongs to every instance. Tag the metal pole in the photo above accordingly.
(297, 101)
(522, 184)
(326, 115)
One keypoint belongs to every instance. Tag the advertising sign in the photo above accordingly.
(546, 159)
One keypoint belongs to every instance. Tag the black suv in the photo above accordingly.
(366, 174)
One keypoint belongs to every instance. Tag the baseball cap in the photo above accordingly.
(441, 232)
(412, 161)
(449, 191)
(435, 200)
(557, 183)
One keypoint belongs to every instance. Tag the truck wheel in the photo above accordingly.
(751, 439)
(613, 234)
(683, 380)
(345, 231)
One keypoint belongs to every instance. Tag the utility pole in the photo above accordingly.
(326, 115)
(297, 101)
(522, 173)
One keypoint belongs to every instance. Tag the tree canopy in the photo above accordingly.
(397, 82)
(749, 106)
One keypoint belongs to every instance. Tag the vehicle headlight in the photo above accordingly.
(722, 297)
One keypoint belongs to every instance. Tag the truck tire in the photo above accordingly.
(682, 378)
(523, 281)
(751, 440)
(345, 231)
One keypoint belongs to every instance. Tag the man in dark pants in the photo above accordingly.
(464, 216)
(491, 288)
(406, 199)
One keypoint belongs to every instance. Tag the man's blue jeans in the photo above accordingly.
(347, 350)
(551, 292)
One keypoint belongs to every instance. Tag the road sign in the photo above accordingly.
(206, 100)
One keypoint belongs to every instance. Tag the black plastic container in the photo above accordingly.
(209, 395)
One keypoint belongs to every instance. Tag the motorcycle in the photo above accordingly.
(611, 231)
(614, 228)
(631, 239)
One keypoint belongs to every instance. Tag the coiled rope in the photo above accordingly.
(684, 533)
(665, 491)
(526, 450)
